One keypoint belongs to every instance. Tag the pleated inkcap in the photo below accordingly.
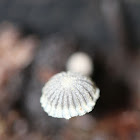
(69, 94)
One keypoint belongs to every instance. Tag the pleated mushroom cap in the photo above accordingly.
(68, 94)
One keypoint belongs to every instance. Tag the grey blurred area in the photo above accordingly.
(37, 37)
(84, 18)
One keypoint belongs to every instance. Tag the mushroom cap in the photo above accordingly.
(68, 94)
(80, 62)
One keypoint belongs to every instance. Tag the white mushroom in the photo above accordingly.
(68, 95)
(81, 63)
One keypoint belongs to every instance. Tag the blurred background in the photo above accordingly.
(37, 37)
